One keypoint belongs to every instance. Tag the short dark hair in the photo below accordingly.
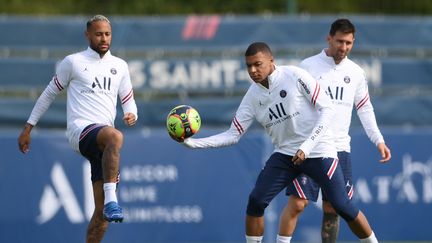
(342, 25)
(95, 18)
(256, 47)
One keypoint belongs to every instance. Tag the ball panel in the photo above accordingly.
(194, 120)
(175, 126)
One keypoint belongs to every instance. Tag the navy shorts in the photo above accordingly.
(280, 171)
(304, 187)
(89, 149)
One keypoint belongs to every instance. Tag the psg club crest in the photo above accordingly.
(303, 180)
(113, 71)
(347, 79)
(283, 93)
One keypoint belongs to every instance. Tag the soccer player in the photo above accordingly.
(346, 85)
(295, 112)
(94, 80)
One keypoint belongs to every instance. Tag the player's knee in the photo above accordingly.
(110, 137)
(296, 205)
(256, 206)
(116, 137)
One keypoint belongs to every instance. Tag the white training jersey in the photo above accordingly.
(93, 86)
(347, 86)
(294, 111)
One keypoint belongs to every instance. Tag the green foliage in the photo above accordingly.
(391, 7)
(184, 7)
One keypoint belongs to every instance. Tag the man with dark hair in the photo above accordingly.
(94, 80)
(295, 112)
(346, 85)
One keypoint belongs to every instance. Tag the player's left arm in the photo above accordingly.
(129, 119)
(365, 112)
(127, 99)
(384, 152)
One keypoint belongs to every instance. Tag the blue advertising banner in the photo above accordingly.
(169, 193)
(174, 194)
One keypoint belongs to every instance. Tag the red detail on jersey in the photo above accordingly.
(200, 27)
(238, 125)
(57, 83)
(299, 189)
(362, 102)
(315, 94)
(332, 169)
(127, 97)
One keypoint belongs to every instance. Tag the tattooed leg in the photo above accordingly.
(329, 228)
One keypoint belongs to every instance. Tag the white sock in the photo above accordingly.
(283, 239)
(370, 239)
(110, 192)
(253, 239)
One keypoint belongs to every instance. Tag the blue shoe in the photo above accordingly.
(112, 212)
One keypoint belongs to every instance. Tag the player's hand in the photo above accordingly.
(188, 142)
(384, 152)
(129, 119)
(299, 157)
(24, 139)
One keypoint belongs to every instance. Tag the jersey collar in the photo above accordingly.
(91, 53)
(330, 60)
(273, 76)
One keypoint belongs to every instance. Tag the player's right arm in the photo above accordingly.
(55, 86)
(239, 125)
(24, 139)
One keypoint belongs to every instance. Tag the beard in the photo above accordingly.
(99, 48)
(339, 56)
